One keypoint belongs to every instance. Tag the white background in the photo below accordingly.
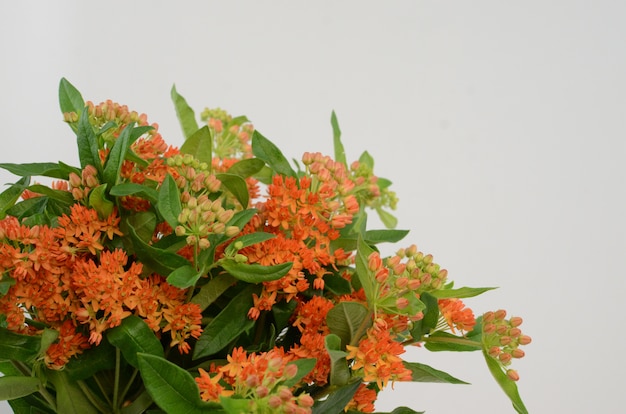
(500, 123)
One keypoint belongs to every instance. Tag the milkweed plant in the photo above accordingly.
(218, 277)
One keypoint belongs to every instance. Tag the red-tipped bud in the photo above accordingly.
(512, 374)
(494, 351)
(524, 340)
(505, 358)
(515, 321)
(517, 353)
(505, 340)
(500, 314)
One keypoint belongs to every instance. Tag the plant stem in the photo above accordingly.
(95, 401)
(128, 385)
(26, 371)
(116, 382)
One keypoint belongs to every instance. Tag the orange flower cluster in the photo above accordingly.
(456, 315)
(305, 214)
(376, 357)
(258, 377)
(66, 278)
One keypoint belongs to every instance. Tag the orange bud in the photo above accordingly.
(515, 321)
(517, 353)
(524, 340)
(512, 374)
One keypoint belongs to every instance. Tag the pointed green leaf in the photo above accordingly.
(365, 276)
(349, 321)
(443, 341)
(255, 273)
(231, 322)
(92, 360)
(63, 196)
(367, 159)
(508, 385)
(134, 336)
(5, 284)
(116, 157)
(70, 100)
(213, 290)
(185, 114)
(430, 319)
(425, 373)
(200, 145)
(16, 387)
(172, 388)
(169, 205)
(70, 398)
(340, 152)
(99, 202)
(246, 167)
(87, 143)
(464, 292)
(305, 365)
(39, 169)
(138, 190)
(19, 347)
(9, 196)
(389, 220)
(265, 150)
(236, 405)
(337, 401)
(339, 371)
(184, 277)
(237, 187)
(161, 261)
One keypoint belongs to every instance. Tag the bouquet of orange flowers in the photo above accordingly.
(217, 277)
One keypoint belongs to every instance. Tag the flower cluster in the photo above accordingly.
(216, 277)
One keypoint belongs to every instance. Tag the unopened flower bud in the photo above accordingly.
(305, 400)
(505, 358)
(512, 374)
(517, 353)
(262, 391)
(500, 314)
(494, 351)
(402, 303)
(291, 370)
(240, 258)
(489, 328)
(524, 340)
(285, 393)
(180, 231)
(515, 321)
(505, 340)
(515, 332)
(231, 231)
(488, 317)
(204, 243)
(274, 402)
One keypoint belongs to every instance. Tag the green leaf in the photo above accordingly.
(70, 398)
(213, 290)
(337, 285)
(22, 348)
(336, 401)
(425, 373)
(464, 292)
(246, 167)
(144, 224)
(389, 220)
(283, 311)
(169, 205)
(92, 360)
(339, 371)
(116, 157)
(16, 387)
(362, 270)
(237, 187)
(443, 341)
(305, 365)
(99, 202)
(508, 385)
(384, 236)
(265, 150)
(172, 388)
(340, 152)
(138, 190)
(161, 261)
(70, 100)
(367, 159)
(235, 405)
(430, 319)
(87, 143)
(200, 145)
(231, 322)
(5, 284)
(185, 114)
(184, 277)
(63, 196)
(39, 169)
(133, 336)
(255, 273)
(9, 196)
(349, 321)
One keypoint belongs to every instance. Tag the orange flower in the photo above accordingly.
(456, 315)
(210, 387)
(363, 400)
(376, 358)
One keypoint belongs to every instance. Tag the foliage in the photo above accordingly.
(217, 277)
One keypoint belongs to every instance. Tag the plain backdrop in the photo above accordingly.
(500, 123)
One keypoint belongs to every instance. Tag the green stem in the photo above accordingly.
(116, 383)
(102, 390)
(128, 385)
(26, 371)
(95, 401)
